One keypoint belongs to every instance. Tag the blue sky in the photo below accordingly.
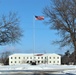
(26, 10)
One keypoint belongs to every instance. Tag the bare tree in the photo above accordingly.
(65, 57)
(10, 31)
(4, 57)
(62, 17)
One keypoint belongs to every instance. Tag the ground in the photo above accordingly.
(42, 68)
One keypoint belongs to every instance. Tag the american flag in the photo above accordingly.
(38, 54)
(39, 17)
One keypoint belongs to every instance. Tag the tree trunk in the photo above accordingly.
(75, 53)
(74, 38)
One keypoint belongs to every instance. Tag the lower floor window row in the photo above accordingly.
(35, 61)
(54, 61)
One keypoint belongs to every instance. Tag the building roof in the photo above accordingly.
(31, 54)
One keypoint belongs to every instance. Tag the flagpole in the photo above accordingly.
(37, 18)
(34, 45)
(33, 36)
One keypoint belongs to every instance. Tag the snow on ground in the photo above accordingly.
(62, 69)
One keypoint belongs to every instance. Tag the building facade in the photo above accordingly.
(17, 59)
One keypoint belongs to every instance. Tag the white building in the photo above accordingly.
(17, 59)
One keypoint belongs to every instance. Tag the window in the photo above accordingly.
(19, 57)
(57, 61)
(15, 61)
(27, 61)
(38, 61)
(19, 61)
(41, 57)
(57, 57)
(53, 61)
(11, 62)
(53, 57)
(50, 61)
(11, 57)
(38, 57)
(45, 57)
(15, 57)
(41, 61)
(30, 57)
(30, 61)
(50, 57)
(23, 57)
